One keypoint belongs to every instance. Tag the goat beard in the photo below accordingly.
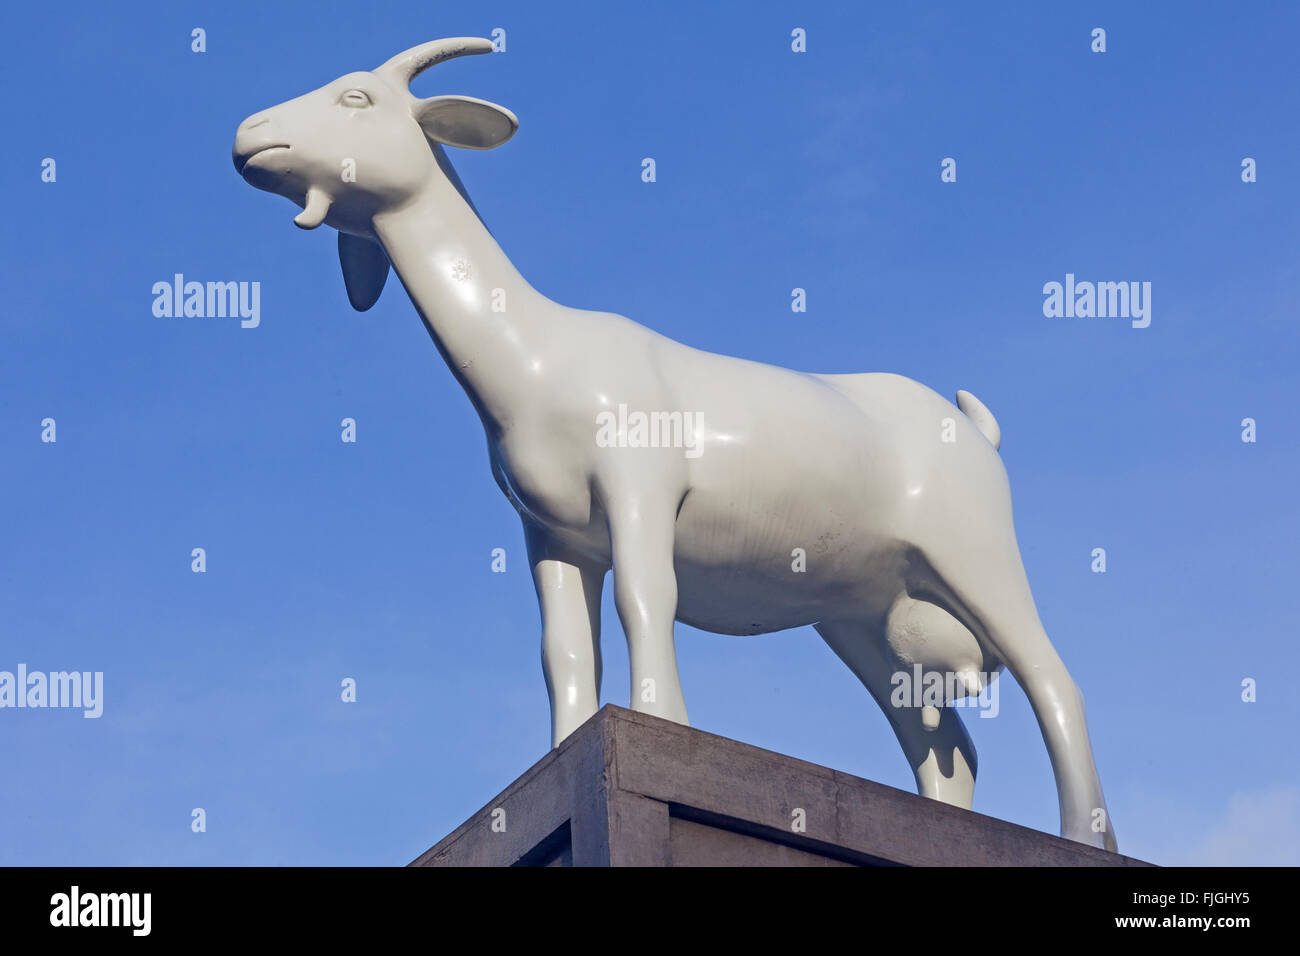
(315, 208)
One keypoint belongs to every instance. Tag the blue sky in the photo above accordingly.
(775, 170)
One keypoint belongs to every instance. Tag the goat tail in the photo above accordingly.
(979, 413)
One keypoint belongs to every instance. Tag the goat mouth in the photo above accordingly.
(244, 161)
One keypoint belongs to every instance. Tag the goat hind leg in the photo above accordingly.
(991, 597)
(943, 759)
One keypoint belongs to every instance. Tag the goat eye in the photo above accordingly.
(355, 98)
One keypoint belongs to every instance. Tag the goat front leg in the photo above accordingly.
(568, 594)
(645, 592)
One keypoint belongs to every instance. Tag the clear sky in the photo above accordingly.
(775, 170)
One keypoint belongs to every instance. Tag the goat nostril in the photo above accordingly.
(249, 124)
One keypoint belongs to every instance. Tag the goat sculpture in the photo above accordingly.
(912, 557)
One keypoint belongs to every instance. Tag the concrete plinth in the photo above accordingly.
(631, 790)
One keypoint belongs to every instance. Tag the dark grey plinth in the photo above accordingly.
(631, 790)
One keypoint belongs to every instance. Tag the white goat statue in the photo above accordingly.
(898, 499)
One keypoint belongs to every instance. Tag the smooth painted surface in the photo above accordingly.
(760, 498)
(331, 560)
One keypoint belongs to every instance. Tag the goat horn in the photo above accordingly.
(408, 65)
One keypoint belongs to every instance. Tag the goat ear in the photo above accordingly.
(465, 121)
(365, 269)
